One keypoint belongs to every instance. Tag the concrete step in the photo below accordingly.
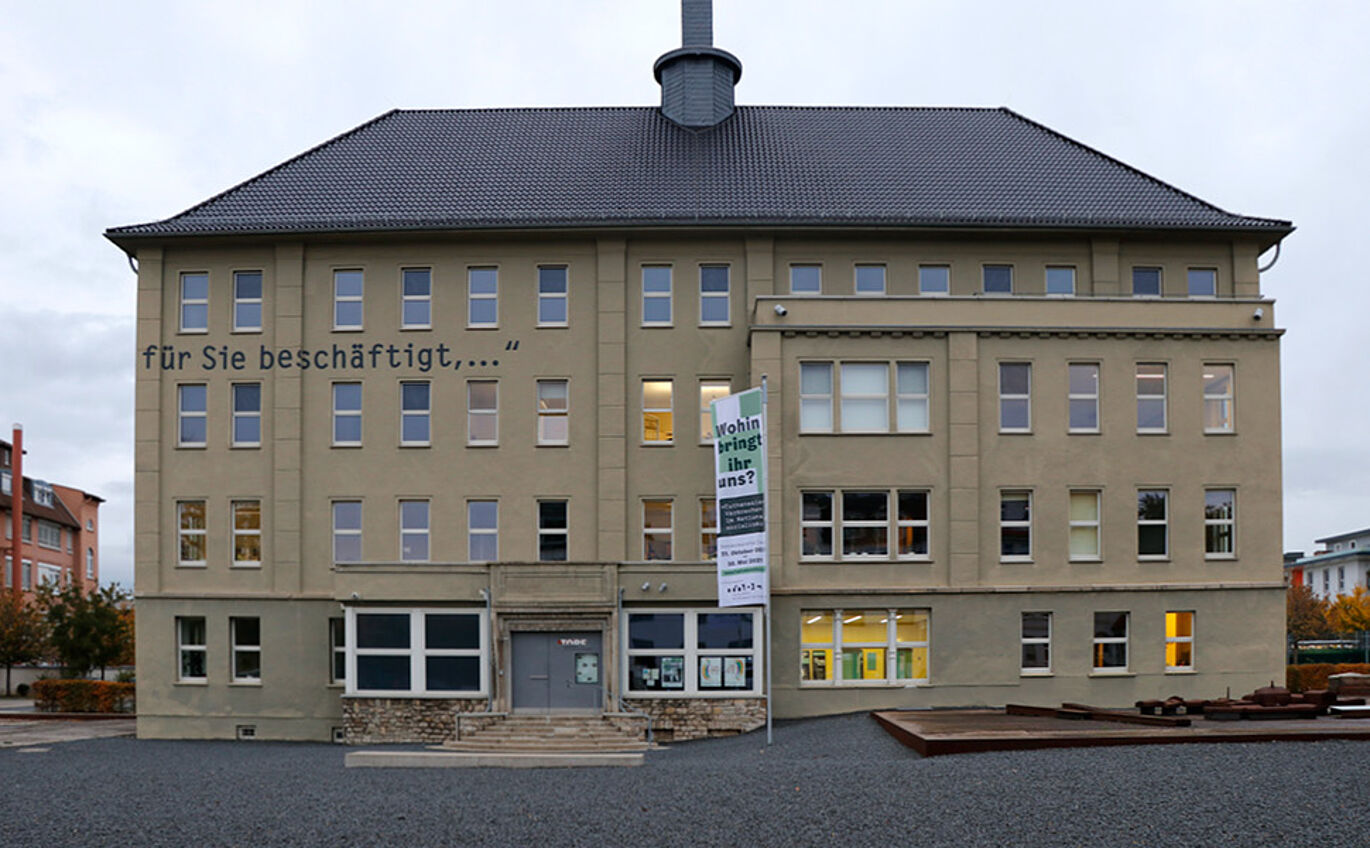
(544, 745)
(563, 734)
(442, 758)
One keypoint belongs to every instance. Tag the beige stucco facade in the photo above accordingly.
(283, 572)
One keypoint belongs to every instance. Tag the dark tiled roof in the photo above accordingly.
(766, 165)
(57, 513)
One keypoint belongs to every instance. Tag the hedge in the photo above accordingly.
(83, 696)
(1301, 678)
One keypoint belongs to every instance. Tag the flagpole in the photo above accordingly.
(766, 522)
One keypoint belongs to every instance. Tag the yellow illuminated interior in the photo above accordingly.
(1179, 625)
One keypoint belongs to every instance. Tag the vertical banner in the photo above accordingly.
(740, 486)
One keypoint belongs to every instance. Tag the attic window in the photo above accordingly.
(42, 493)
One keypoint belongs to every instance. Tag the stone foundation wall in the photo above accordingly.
(675, 719)
(373, 721)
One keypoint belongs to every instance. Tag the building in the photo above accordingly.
(60, 530)
(1340, 565)
(421, 421)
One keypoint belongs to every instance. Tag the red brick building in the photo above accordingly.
(60, 535)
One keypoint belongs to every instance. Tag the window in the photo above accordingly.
(1083, 397)
(49, 536)
(337, 650)
(553, 531)
(656, 295)
(192, 414)
(247, 301)
(416, 298)
(657, 529)
(90, 525)
(1084, 526)
(5, 477)
(870, 280)
(247, 415)
(1015, 397)
(194, 303)
(1153, 535)
(882, 646)
(554, 407)
(347, 414)
(552, 294)
(693, 652)
(347, 300)
(247, 534)
(708, 529)
(865, 522)
(815, 397)
(415, 408)
(482, 531)
(865, 388)
(806, 279)
(1015, 526)
(1217, 398)
(49, 575)
(414, 531)
(90, 563)
(714, 295)
(1203, 282)
(1146, 282)
(1220, 522)
(1341, 579)
(416, 652)
(190, 519)
(482, 412)
(482, 297)
(1110, 642)
(190, 649)
(245, 637)
(1179, 641)
(710, 391)
(1151, 403)
(42, 495)
(1060, 280)
(934, 279)
(998, 279)
(911, 397)
(1036, 643)
(347, 531)
(657, 402)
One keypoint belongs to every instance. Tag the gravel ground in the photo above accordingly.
(831, 781)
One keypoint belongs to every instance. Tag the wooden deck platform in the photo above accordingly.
(936, 732)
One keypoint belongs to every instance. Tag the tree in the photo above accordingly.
(85, 630)
(1305, 614)
(23, 632)
(1350, 613)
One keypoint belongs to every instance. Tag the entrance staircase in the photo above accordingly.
(550, 734)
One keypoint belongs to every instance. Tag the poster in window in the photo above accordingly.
(672, 672)
(587, 668)
(711, 671)
(735, 672)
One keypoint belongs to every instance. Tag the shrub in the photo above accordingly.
(1301, 678)
(83, 696)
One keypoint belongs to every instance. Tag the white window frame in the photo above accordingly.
(1229, 521)
(186, 300)
(1189, 282)
(944, 266)
(892, 524)
(1179, 640)
(817, 267)
(183, 648)
(668, 410)
(236, 648)
(658, 296)
(346, 532)
(473, 297)
(1160, 280)
(891, 647)
(668, 531)
(845, 396)
(183, 533)
(359, 299)
(475, 415)
(1007, 524)
(726, 295)
(708, 530)
(1073, 397)
(425, 298)
(984, 279)
(846, 523)
(817, 400)
(545, 297)
(856, 279)
(1094, 525)
(341, 413)
(897, 548)
(237, 533)
(337, 650)
(1152, 378)
(416, 531)
(1095, 667)
(545, 531)
(1014, 397)
(245, 416)
(258, 301)
(691, 653)
(548, 412)
(90, 563)
(418, 653)
(706, 430)
(1046, 281)
(49, 535)
(1024, 640)
(1224, 400)
(418, 412)
(1163, 522)
(183, 415)
(474, 533)
(830, 524)
(912, 399)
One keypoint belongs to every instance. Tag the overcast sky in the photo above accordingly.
(122, 113)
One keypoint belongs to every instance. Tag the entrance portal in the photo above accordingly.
(557, 672)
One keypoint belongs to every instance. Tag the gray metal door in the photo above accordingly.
(557, 671)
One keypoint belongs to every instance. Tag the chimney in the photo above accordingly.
(697, 79)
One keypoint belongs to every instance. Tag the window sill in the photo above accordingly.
(482, 444)
(249, 684)
(1220, 432)
(1144, 558)
(482, 326)
(192, 565)
(184, 332)
(1015, 560)
(417, 328)
(349, 329)
(191, 447)
(1075, 432)
(346, 445)
(682, 693)
(204, 682)
(862, 684)
(1180, 671)
(246, 566)
(416, 444)
(1015, 432)
(1220, 557)
(447, 696)
(257, 446)
(1028, 673)
(1086, 560)
(855, 560)
(245, 331)
(552, 326)
(553, 444)
(656, 444)
(1122, 672)
(715, 325)
(1153, 432)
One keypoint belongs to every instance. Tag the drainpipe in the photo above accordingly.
(494, 668)
(623, 671)
(17, 508)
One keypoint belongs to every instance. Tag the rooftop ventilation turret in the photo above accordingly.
(697, 79)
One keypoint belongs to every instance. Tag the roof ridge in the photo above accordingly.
(747, 107)
(1138, 171)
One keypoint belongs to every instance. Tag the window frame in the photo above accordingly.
(547, 414)
(706, 433)
(406, 298)
(1229, 521)
(657, 296)
(245, 533)
(359, 299)
(183, 533)
(668, 411)
(691, 653)
(475, 533)
(985, 274)
(1138, 271)
(1024, 641)
(546, 532)
(240, 301)
(844, 397)
(708, 531)
(418, 653)
(1151, 398)
(837, 648)
(425, 532)
(825, 399)
(817, 268)
(183, 415)
(892, 524)
(473, 297)
(856, 279)
(547, 297)
(649, 531)
(901, 397)
(424, 413)
(1096, 524)
(185, 647)
(924, 292)
(237, 649)
(478, 415)
(1163, 522)
(1189, 282)
(1098, 642)
(337, 650)
(346, 532)
(1007, 397)
(343, 414)
(1229, 398)
(1177, 640)
(706, 296)
(1012, 524)
(245, 416)
(1046, 281)
(186, 301)
(1073, 397)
